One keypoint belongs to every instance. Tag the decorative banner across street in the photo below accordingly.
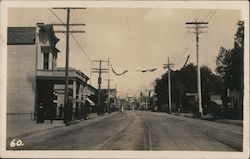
(119, 74)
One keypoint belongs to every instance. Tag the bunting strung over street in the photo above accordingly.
(148, 70)
(118, 74)
(143, 71)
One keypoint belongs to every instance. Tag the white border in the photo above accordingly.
(242, 5)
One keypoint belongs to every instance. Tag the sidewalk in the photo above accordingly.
(230, 121)
(30, 127)
(210, 118)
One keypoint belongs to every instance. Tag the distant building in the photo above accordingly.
(92, 98)
(109, 97)
(121, 103)
(33, 76)
(236, 102)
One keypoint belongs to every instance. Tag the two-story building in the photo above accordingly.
(33, 76)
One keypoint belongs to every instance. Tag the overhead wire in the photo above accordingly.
(209, 16)
(80, 46)
(178, 53)
(190, 42)
(185, 44)
(205, 16)
(77, 42)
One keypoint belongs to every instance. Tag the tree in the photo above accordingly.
(185, 81)
(230, 68)
(230, 62)
(161, 92)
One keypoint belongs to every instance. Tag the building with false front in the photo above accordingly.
(33, 77)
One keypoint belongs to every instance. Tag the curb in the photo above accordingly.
(231, 139)
(230, 123)
(223, 122)
(235, 140)
(33, 132)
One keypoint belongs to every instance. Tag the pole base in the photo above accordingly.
(199, 115)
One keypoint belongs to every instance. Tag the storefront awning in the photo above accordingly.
(90, 102)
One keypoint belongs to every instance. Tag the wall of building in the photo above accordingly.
(21, 82)
(39, 57)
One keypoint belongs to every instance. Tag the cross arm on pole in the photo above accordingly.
(198, 27)
(79, 24)
(168, 65)
(191, 23)
(100, 71)
(105, 69)
(100, 60)
(74, 31)
(69, 8)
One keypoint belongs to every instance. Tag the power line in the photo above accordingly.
(205, 16)
(82, 49)
(184, 50)
(56, 16)
(182, 43)
(203, 12)
(77, 42)
(210, 18)
(185, 39)
(189, 44)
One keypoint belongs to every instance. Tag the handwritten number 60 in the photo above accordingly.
(18, 143)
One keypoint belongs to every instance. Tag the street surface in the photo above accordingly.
(137, 130)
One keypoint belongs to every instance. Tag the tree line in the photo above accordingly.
(227, 77)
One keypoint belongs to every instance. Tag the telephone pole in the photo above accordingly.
(108, 92)
(168, 65)
(100, 70)
(180, 104)
(66, 106)
(197, 26)
(108, 88)
(91, 63)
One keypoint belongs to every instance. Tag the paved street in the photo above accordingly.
(138, 130)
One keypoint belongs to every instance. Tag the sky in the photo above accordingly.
(134, 39)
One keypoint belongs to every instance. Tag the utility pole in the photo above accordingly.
(108, 88)
(146, 103)
(108, 92)
(153, 102)
(100, 70)
(197, 26)
(66, 106)
(168, 65)
(99, 84)
(180, 104)
(91, 72)
(149, 93)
